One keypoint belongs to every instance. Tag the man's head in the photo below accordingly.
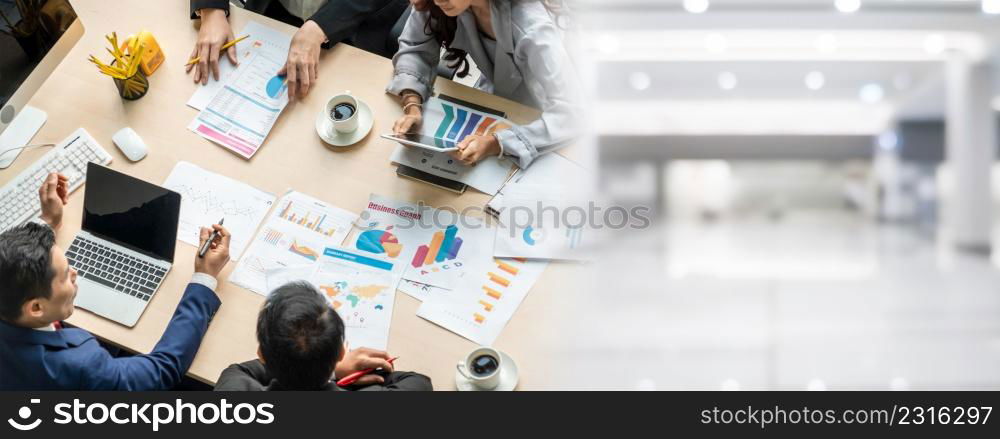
(301, 338)
(37, 285)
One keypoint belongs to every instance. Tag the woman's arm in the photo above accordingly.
(415, 64)
(551, 76)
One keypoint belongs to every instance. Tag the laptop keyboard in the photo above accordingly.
(114, 269)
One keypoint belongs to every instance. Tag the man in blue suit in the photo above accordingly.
(37, 289)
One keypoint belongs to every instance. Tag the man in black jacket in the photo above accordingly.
(302, 348)
(365, 24)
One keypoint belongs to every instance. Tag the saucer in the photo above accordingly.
(366, 119)
(508, 377)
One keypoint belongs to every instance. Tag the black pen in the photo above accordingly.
(207, 244)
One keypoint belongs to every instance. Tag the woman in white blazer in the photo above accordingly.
(519, 50)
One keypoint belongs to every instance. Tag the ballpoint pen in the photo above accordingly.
(207, 244)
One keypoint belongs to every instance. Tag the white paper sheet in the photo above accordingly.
(485, 300)
(245, 108)
(295, 234)
(207, 197)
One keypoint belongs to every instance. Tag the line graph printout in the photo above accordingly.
(207, 197)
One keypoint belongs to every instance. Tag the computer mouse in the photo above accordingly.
(129, 142)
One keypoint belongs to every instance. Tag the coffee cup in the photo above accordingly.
(482, 368)
(342, 114)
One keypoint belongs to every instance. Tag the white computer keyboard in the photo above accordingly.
(19, 197)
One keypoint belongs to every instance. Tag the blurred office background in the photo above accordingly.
(824, 183)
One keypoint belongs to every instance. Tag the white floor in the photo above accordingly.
(817, 300)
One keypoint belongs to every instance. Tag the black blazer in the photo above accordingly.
(339, 19)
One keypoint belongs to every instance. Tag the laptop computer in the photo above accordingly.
(126, 245)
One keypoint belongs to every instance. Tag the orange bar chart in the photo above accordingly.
(499, 279)
(435, 246)
(507, 267)
(492, 293)
(479, 318)
(486, 305)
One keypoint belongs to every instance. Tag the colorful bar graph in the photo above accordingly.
(469, 127)
(487, 121)
(455, 247)
(284, 212)
(486, 305)
(434, 247)
(449, 237)
(492, 293)
(418, 258)
(507, 267)
(499, 279)
(449, 116)
(272, 237)
(459, 123)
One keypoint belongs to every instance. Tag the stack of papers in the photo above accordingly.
(247, 102)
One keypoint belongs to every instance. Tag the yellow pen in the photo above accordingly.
(224, 47)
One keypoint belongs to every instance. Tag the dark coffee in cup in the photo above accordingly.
(342, 111)
(484, 365)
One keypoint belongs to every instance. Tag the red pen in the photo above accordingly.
(350, 379)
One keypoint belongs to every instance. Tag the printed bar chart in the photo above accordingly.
(443, 246)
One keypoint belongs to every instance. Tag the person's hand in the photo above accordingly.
(474, 148)
(213, 34)
(53, 195)
(300, 68)
(410, 121)
(420, 5)
(361, 359)
(218, 252)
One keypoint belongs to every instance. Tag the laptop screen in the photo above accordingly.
(130, 212)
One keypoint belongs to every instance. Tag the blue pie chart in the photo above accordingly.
(275, 86)
(532, 236)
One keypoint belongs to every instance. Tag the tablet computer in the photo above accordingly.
(421, 141)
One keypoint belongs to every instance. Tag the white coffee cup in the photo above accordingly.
(343, 126)
(471, 371)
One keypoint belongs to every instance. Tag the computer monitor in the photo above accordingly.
(34, 37)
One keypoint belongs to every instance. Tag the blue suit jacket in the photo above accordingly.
(71, 359)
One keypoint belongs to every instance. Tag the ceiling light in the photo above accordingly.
(727, 81)
(716, 43)
(815, 80)
(991, 6)
(935, 44)
(848, 6)
(640, 81)
(696, 6)
(871, 94)
(826, 43)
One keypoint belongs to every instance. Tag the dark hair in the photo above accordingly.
(25, 267)
(300, 337)
(442, 28)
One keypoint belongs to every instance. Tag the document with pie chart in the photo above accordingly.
(542, 222)
(248, 103)
(431, 245)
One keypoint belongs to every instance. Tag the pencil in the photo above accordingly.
(224, 47)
